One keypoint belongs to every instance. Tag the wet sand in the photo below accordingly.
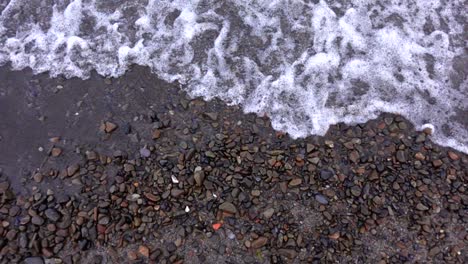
(378, 192)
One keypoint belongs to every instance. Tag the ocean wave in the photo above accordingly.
(306, 64)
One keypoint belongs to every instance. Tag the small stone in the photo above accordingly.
(151, 197)
(104, 221)
(177, 192)
(326, 174)
(33, 260)
(400, 155)
(37, 220)
(452, 155)
(55, 152)
(310, 148)
(144, 152)
(329, 143)
(321, 199)
(199, 176)
(437, 163)
(354, 156)
(420, 156)
(38, 177)
(295, 182)
(91, 155)
(156, 134)
(132, 255)
(109, 127)
(71, 170)
(356, 191)
(421, 207)
(52, 215)
(268, 213)
(210, 154)
(228, 207)
(144, 251)
(212, 116)
(255, 193)
(259, 242)
(288, 253)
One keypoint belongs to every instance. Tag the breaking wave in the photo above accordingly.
(307, 64)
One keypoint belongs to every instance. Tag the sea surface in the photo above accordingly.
(306, 64)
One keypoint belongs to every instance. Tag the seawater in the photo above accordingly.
(306, 64)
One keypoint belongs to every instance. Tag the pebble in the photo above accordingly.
(259, 242)
(268, 213)
(38, 177)
(401, 156)
(421, 207)
(144, 152)
(37, 220)
(295, 182)
(55, 152)
(34, 260)
(228, 207)
(144, 251)
(52, 215)
(71, 170)
(109, 127)
(453, 156)
(321, 199)
(326, 174)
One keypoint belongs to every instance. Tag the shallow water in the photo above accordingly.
(306, 64)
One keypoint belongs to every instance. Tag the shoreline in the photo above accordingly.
(358, 192)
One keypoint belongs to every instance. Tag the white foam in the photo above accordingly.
(305, 65)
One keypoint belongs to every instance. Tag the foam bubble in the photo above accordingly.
(306, 64)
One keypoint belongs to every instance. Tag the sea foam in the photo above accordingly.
(306, 64)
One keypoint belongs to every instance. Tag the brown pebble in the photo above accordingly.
(38, 177)
(132, 255)
(109, 127)
(453, 155)
(156, 134)
(437, 163)
(55, 152)
(144, 251)
(419, 156)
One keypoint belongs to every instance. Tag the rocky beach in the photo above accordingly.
(133, 170)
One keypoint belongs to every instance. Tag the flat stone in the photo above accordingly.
(321, 199)
(212, 116)
(401, 156)
(437, 163)
(356, 191)
(109, 127)
(34, 260)
(268, 213)
(37, 220)
(288, 253)
(421, 207)
(228, 207)
(295, 182)
(144, 251)
(72, 169)
(52, 214)
(259, 242)
(354, 156)
(452, 155)
(326, 174)
(55, 152)
(177, 192)
(38, 177)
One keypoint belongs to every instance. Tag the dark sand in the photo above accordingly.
(378, 192)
